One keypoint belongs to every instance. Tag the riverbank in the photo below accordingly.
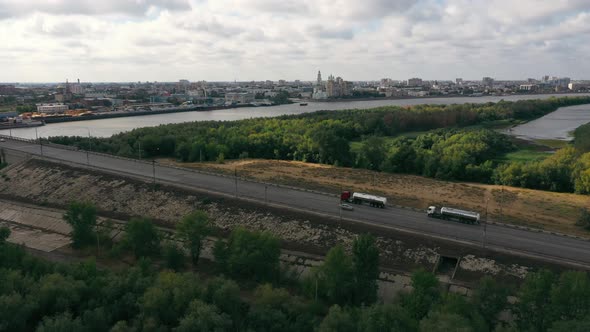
(111, 115)
(333, 100)
(107, 127)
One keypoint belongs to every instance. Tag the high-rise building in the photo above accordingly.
(319, 79)
(415, 81)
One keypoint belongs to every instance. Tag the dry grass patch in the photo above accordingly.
(542, 209)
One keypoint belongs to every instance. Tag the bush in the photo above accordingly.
(173, 256)
(584, 219)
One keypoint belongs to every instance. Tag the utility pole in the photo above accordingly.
(37, 136)
(89, 148)
(501, 202)
(236, 179)
(154, 171)
(485, 224)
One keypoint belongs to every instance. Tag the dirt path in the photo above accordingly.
(541, 209)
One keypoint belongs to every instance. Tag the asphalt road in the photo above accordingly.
(548, 246)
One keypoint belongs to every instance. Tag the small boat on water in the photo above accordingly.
(302, 104)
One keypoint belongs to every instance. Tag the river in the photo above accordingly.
(556, 125)
(108, 127)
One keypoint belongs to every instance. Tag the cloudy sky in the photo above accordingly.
(221, 40)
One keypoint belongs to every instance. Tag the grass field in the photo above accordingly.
(552, 211)
(526, 155)
(553, 143)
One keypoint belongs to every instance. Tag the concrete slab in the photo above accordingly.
(35, 238)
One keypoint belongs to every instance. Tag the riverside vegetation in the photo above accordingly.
(252, 292)
(449, 142)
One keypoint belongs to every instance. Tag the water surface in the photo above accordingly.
(108, 127)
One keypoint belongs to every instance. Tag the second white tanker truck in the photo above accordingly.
(360, 198)
(447, 213)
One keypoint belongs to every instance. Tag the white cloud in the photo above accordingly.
(117, 40)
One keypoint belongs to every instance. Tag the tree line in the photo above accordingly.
(245, 291)
(326, 137)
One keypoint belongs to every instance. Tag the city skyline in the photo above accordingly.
(253, 40)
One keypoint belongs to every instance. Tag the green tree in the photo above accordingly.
(15, 311)
(571, 326)
(58, 293)
(365, 263)
(4, 234)
(142, 237)
(193, 229)
(173, 256)
(201, 316)
(584, 219)
(490, 299)
(424, 295)
(168, 297)
(225, 294)
(338, 320)
(62, 322)
(82, 217)
(445, 322)
(533, 309)
(570, 296)
(334, 279)
(388, 317)
(249, 254)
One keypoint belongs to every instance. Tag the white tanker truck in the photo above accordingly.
(447, 213)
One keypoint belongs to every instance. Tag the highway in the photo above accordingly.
(550, 247)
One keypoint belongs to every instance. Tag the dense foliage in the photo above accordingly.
(314, 137)
(370, 139)
(42, 296)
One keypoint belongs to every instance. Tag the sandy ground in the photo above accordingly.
(547, 210)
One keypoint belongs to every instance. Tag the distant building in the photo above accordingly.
(51, 108)
(337, 87)
(576, 86)
(527, 87)
(238, 97)
(415, 81)
(459, 81)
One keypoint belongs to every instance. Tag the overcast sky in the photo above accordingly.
(223, 40)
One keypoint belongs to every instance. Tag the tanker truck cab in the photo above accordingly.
(431, 211)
